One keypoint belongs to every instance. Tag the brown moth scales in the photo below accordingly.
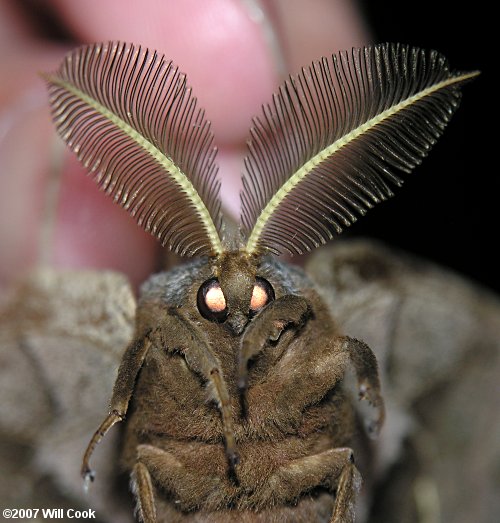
(232, 386)
(297, 427)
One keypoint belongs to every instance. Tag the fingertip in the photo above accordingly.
(218, 44)
(92, 231)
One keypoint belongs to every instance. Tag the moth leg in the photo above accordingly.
(333, 469)
(287, 311)
(122, 392)
(345, 500)
(143, 489)
(365, 367)
(284, 384)
(187, 487)
(200, 358)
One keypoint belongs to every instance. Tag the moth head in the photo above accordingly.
(327, 148)
(236, 293)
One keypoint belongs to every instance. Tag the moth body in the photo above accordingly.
(295, 411)
(232, 386)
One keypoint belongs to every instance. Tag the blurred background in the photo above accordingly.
(448, 212)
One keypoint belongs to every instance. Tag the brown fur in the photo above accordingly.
(291, 425)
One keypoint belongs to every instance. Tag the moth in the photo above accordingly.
(232, 389)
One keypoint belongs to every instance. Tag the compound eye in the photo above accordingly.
(263, 293)
(212, 302)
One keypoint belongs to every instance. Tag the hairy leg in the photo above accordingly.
(142, 487)
(176, 334)
(320, 364)
(190, 490)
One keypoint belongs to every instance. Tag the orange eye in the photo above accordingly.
(262, 294)
(212, 302)
(259, 298)
(215, 300)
